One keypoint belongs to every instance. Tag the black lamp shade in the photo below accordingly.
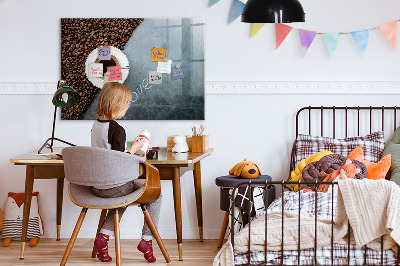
(273, 11)
(73, 96)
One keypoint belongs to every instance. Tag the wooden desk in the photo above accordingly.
(40, 167)
(168, 164)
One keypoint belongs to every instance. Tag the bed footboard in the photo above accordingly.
(383, 258)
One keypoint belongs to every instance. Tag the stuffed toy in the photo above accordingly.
(13, 215)
(296, 174)
(245, 169)
(180, 144)
(375, 170)
(1, 220)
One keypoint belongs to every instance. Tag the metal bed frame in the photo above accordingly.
(284, 183)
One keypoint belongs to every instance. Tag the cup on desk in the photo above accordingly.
(152, 155)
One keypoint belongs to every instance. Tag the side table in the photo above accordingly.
(226, 183)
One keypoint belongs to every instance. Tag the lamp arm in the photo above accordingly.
(54, 127)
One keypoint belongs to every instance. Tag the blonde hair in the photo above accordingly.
(114, 97)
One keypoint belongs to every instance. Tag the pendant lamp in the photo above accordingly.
(65, 96)
(273, 11)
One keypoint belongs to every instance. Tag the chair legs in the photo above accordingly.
(101, 222)
(117, 238)
(154, 230)
(223, 229)
(73, 237)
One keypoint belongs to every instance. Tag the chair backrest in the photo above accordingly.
(92, 166)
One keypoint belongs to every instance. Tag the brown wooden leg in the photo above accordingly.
(73, 236)
(154, 230)
(176, 182)
(27, 206)
(101, 222)
(223, 229)
(199, 204)
(117, 238)
(60, 191)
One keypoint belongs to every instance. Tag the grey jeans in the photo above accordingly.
(154, 208)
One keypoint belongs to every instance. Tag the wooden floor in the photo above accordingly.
(50, 252)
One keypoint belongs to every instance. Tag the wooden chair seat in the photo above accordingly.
(82, 196)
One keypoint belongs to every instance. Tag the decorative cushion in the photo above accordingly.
(372, 144)
(296, 174)
(13, 215)
(393, 148)
(375, 170)
(328, 164)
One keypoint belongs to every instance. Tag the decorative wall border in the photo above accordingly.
(251, 87)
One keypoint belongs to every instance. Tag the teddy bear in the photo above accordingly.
(180, 144)
(245, 169)
(13, 215)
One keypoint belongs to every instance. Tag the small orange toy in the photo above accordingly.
(245, 169)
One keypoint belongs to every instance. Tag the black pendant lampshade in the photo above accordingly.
(273, 11)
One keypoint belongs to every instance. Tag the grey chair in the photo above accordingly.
(85, 167)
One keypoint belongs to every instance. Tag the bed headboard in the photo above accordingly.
(344, 121)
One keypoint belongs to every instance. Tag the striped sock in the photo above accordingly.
(146, 247)
(101, 245)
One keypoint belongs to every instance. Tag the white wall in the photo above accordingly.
(259, 127)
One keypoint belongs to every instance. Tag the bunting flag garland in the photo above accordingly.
(256, 28)
(332, 41)
(389, 30)
(306, 39)
(361, 37)
(281, 31)
(213, 2)
(237, 9)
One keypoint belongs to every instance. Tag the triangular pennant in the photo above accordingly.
(389, 30)
(306, 39)
(213, 2)
(281, 31)
(361, 37)
(332, 41)
(256, 28)
(237, 9)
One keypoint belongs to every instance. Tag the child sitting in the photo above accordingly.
(113, 103)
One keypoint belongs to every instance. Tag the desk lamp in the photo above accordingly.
(273, 11)
(65, 96)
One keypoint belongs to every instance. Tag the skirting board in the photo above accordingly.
(251, 87)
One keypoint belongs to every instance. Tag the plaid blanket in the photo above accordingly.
(340, 253)
(323, 205)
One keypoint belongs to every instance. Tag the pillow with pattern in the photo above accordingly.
(372, 145)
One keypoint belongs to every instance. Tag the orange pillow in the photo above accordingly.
(375, 170)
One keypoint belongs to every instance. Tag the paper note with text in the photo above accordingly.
(158, 54)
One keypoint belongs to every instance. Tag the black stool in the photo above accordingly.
(226, 183)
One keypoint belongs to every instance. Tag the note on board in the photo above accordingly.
(164, 67)
(155, 77)
(95, 70)
(104, 53)
(177, 72)
(158, 54)
(115, 73)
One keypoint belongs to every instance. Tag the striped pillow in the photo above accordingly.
(372, 145)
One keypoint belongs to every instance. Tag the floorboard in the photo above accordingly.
(50, 252)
